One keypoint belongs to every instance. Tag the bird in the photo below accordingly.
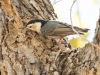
(54, 29)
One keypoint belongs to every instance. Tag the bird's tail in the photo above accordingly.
(68, 28)
(69, 31)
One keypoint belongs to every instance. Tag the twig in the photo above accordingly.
(75, 30)
(56, 2)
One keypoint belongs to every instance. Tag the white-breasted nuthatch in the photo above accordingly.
(53, 28)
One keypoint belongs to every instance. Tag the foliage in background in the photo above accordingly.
(78, 42)
(82, 12)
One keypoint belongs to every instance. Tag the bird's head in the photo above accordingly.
(35, 25)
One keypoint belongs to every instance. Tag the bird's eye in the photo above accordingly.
(30, 27)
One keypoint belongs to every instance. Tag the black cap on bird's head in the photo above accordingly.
(35, 25)
(43, 22)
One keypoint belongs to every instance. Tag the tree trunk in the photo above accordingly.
(25, 52)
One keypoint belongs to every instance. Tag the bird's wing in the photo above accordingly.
(56, 28)
(65, 28)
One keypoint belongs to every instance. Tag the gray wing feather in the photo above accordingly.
(55, 28)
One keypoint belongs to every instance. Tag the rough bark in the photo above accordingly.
(25, 52)
(84, 61)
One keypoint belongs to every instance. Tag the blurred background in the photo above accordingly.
(85, 14)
